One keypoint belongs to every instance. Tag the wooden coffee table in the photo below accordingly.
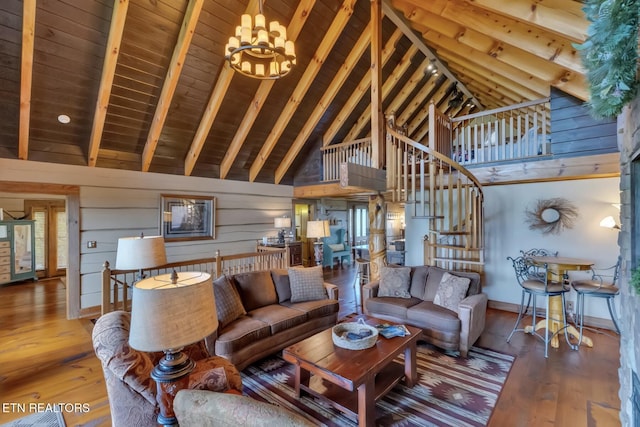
(353, 380)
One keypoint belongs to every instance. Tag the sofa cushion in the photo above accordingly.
(390, 306)
(418, 280)
(239, 334)
(427, 315)
(281, 281)
(451, 291)
(337, 247)
(394, 282)
(278, 317)
(228, 303)
(315, 309)
(307, 284)
(256, 289)
(435, 276)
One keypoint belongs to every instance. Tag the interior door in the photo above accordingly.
(50, 235)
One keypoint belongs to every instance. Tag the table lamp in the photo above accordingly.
(282, 223)
(139, 253)
(169, 312)
(318, 230)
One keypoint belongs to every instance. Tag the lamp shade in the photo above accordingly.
(282, 222)
(166, 315)
(137, 253)
(318, 229)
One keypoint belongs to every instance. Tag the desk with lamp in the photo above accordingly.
(293, 248)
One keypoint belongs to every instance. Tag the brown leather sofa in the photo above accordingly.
(271, 322)
(442, 327)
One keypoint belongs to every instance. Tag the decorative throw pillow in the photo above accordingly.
(307, 284)
(337, 247)
(451, 290)
(228, 303)
(394, 282)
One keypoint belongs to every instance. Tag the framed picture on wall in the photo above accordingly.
(187, 217)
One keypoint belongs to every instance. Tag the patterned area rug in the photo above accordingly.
(39, 419)
(451, 391)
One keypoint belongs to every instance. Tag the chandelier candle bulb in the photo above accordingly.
(274, 27)
(245, 38)
(283, 31)
(263, 39)
(234, 43)
(246, 67)
(245, 21)
(260, 69)
(260, 22)
(279, 43)
(273, 71)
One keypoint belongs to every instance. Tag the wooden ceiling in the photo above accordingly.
(146, 87)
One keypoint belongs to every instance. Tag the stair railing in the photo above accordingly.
(440, 190)
(357, 152)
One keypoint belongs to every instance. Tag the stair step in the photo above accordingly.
(456, 247)
(428, 216)
(454, 233)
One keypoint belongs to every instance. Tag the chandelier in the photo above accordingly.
(259, 53)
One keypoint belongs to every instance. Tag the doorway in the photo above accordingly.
(51, 239)
(303, 212)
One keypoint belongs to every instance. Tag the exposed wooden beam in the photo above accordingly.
(388, 85)
(336, 84)
(213, 106)
(562, 17)
(330, 38)
(171, 80)
(360, 90)
(298, 21)
(329, 190)
(597, 166)
(418, 99)
(423, 114)
(404, 26)
(116, 29)
(375, 110)
(26, 75)
(411, 84)
(514, 32)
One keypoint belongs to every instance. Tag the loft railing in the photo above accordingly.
(357, 152)
(116, 283)
(517, 132)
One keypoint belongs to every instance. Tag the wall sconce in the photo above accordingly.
(609, 222)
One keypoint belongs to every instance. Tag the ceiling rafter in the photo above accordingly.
(535, 41)
(358, 93)
(417, 100)
(298, 21)
(411, 84)
(171, 80)
(562, 17)
(26, 75)
(330, 38)
(213, 106)
(423, 114)
(402, 23)
(389, 84)
(118, 18)
(336, 84)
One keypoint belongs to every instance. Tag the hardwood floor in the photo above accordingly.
(47, 359)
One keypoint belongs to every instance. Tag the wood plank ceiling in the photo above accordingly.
(146, 87)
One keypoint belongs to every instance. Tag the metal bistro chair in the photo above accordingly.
(538, 252)
(534, 281)
(599, 288)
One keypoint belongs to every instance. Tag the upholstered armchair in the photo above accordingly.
(127, 372)
(335, 246)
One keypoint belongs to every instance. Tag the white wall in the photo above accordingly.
(506, 232)
(118, 203)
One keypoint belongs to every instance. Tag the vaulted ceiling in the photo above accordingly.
(146, 87)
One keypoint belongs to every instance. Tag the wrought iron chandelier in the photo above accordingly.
(258, 52)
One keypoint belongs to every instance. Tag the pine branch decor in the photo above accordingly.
(610, 54)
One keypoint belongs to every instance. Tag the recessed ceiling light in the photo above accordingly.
(64, 119)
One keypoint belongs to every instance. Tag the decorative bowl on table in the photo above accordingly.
(354, 335)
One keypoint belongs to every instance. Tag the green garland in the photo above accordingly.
(610, 54)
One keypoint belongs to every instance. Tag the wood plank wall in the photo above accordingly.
(575, 133)
(117, 203)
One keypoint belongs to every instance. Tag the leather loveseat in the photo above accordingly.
(453, 328)
(260, 312)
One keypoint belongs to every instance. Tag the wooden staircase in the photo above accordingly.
(439, 190)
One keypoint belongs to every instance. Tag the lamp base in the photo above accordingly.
(171, 375)
(318, 252)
